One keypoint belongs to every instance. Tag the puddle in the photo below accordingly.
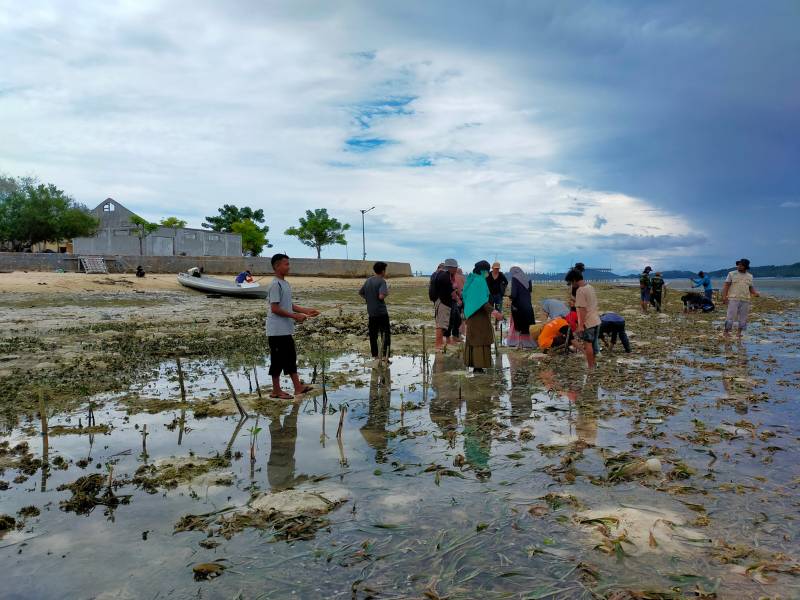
(439, 484)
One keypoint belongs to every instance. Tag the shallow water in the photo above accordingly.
(415, 522)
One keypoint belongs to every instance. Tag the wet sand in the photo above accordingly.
(526, 482)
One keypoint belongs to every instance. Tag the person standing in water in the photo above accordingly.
(374, 291)
(736, 293)
(657, 290)
(521, 306)
(283, 314)
(497, 283)
(443, 293)
(588, 316)
(478, 310)
(644, 288)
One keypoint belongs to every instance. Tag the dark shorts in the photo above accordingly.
(282, 355)
(497, 302)
(590, 334)
(645, 294)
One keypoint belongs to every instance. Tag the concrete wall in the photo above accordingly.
(326, 267)
(117, 235)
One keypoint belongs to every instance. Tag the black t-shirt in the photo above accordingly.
(497, 286)
(444, 288)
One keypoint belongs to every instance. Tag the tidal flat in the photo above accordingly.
(670, 472)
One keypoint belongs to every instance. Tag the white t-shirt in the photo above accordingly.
(740, 285)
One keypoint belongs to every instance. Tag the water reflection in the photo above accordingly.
(447, 392)
(380, 396)
(283, 440)
(583, 403)
(480, 421)
(520, 393)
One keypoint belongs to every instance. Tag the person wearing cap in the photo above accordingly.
(644, 287)
(497, 282)
(704, 280)
(657, 288)
(444, 293)
(736, 293)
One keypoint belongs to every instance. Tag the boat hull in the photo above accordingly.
(213, 285)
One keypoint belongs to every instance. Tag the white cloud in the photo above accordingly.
(178, 111)
(790, 204)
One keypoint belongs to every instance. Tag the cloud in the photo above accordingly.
(478, 133)
(790, 204)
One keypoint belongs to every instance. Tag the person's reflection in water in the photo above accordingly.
(479, 424)
(587, 405)
(380, 396)
(283, 439)
(520, 394)
(583, 398)
(736, 380)
(445, 387)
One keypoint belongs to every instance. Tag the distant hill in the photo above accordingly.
(765, 271)
(594, 275)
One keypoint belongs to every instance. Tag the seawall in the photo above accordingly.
(258, 265)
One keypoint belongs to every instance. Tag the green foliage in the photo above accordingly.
(318, 229)
(254, 238)
(173, 223)
(34, 213)
(143, 229)
(230, 215)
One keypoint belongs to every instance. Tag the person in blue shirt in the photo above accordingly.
(244, 276)
(613, 325)
(705, 281)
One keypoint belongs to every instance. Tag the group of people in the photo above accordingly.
(471, 307)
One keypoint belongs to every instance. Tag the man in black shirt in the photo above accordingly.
(443, 291)
(497, 283)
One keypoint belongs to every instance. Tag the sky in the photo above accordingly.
(615, 133)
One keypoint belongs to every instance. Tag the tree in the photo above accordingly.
(318, 229)
(34, 213)
(173, 223)
(143, 229)
(230, 214)
(253, 237)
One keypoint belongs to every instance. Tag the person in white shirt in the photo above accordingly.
(736, 293)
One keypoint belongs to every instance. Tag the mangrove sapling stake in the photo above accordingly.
(342, 411)
(239, 407)
(144, 443)
(236, 431)
(255, 377)
(45, 440)
(182, 419)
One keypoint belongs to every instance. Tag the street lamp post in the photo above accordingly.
(363, 236)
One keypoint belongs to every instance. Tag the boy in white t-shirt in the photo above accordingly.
(736, 293)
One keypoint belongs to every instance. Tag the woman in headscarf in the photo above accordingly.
(478, 311)
(521, 310)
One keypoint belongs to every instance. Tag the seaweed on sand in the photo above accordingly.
(86, 495)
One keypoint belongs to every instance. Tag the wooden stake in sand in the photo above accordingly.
(255, 376)
(242, 411)
(45, 440)
(342, 411)
(182, 419)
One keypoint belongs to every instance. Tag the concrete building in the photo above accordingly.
(117, 235)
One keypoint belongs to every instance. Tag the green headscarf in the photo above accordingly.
(476, 290)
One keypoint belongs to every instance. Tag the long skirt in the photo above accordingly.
(516, 339)
(479, 357)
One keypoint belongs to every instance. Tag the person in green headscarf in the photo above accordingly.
(478, 311)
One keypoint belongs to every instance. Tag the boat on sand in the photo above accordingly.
(214, 285)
